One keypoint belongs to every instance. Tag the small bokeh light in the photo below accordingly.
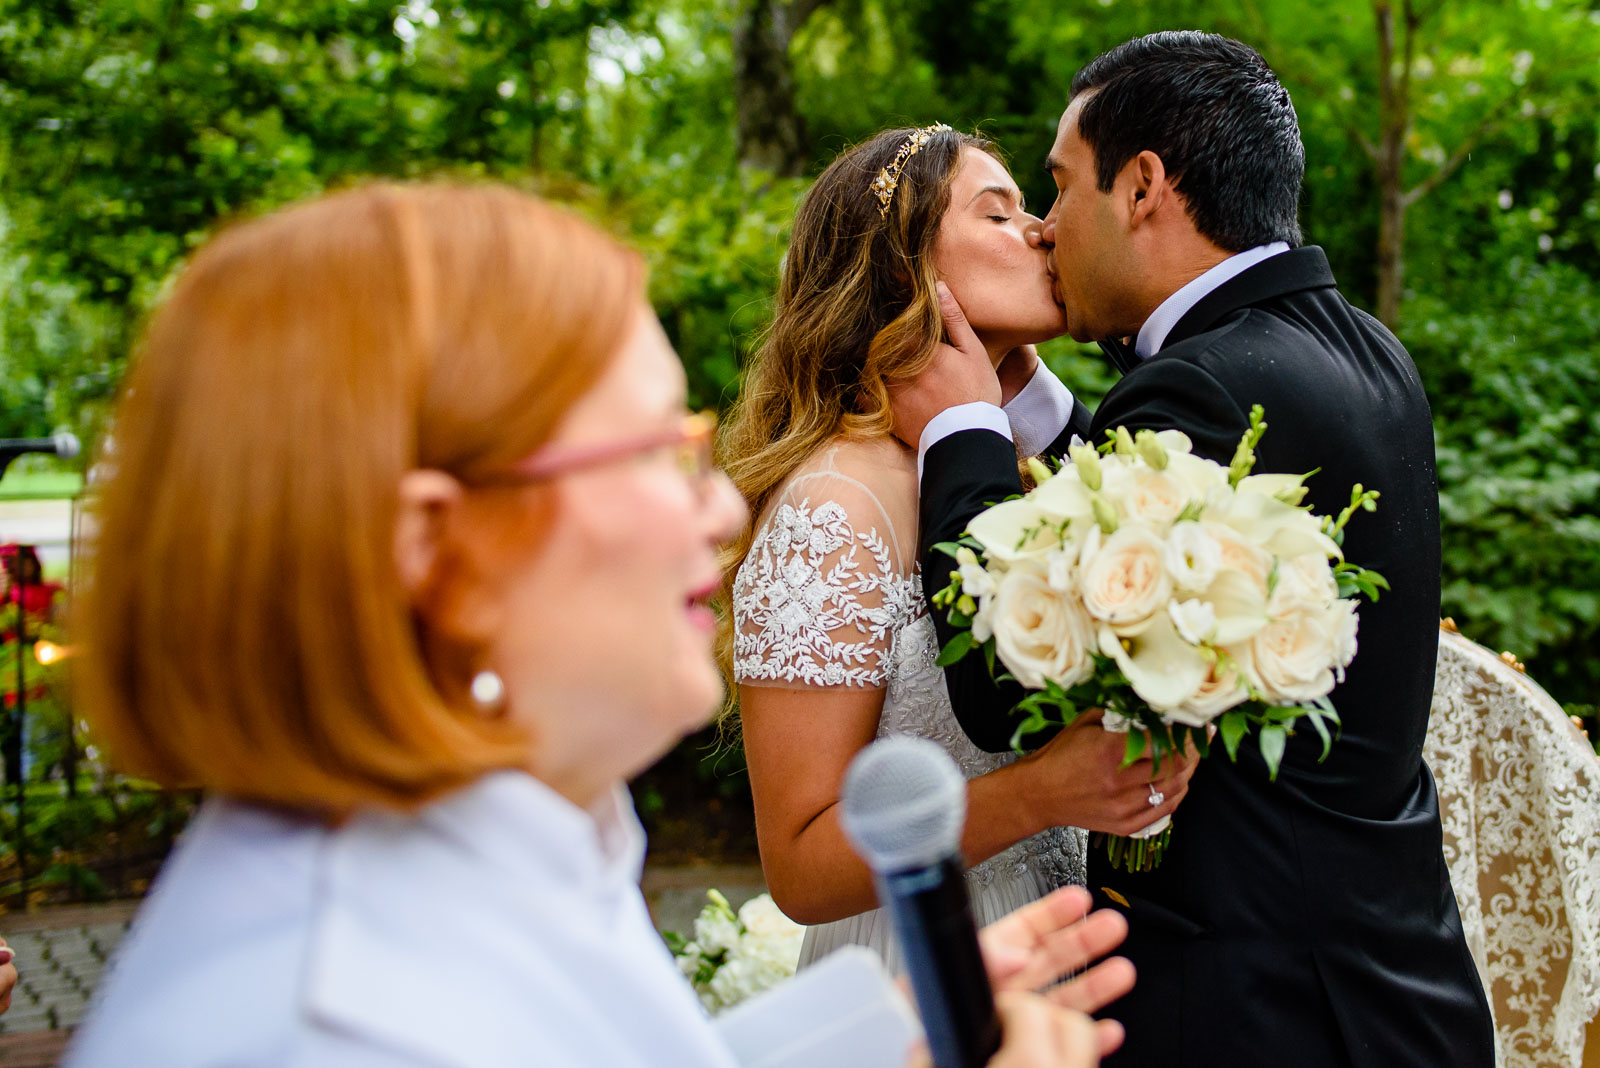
(48, 652)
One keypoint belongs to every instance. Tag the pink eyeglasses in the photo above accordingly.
(691, 442)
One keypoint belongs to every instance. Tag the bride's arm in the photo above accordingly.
(798, 743)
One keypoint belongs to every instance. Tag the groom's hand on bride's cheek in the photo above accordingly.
(1077, 779)
(959, 373)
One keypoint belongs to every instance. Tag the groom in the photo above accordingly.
(1307, 921)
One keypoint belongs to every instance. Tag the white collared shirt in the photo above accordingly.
(1037, 415)
(1153, 334)
(501, 925)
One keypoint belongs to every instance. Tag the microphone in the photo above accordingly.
(63, 445)
(903, 806)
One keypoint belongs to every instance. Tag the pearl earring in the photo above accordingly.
(488, 691)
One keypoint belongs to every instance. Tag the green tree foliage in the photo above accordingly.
(129, 128)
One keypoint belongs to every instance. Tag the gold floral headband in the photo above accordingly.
(883, 186)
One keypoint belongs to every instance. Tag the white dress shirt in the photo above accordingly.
(1037, 415)
(1153, 334)
(501, 925)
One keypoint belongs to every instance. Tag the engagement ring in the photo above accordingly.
(1156, 796)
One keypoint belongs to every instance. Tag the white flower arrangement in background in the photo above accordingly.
(1179, 596)
(735, 955)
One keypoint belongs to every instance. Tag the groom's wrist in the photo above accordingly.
(978, 415)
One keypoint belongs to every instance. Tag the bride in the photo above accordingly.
(828, 640)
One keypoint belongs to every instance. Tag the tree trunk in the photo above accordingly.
(771, 133)
(1394, 123)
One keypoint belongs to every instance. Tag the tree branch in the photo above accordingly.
(1491, 122)
(800, 11)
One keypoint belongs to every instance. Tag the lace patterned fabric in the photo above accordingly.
(830, 595)
(1519, 799)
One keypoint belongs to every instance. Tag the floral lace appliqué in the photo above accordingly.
(1519, 801)
(818, 602)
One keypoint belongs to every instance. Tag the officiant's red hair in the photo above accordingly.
(245, 627)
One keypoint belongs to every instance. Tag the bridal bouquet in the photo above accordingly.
(1188, 600)
(735, 955)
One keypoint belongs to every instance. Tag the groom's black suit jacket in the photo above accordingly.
(1308, 921)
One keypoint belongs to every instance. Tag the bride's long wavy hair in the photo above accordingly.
(856, 307)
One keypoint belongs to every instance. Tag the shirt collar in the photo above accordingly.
(1153, 334)
(516, 822)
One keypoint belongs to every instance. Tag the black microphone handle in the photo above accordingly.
(932, 917)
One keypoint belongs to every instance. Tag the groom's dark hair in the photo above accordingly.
(1215, 113)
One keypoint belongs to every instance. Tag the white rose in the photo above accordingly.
(1223, 688)
(716, 931)
(1192, 556)
(1242, 555)
(1304, 581)
(1040, 633)
(1156, 497)
(1124, 580)
(735, 981)
(762, 918)
(1196, 620)
(1294, 656)
(1345, 644)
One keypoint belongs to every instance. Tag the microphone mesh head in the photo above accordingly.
(66, 445)
(904, 804)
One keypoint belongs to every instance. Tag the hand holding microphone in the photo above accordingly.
(903, 807)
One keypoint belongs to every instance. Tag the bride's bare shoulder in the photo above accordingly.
(880, 462)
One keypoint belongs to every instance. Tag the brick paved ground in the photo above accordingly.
(62, 953)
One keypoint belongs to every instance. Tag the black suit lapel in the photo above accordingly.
(1288, 272)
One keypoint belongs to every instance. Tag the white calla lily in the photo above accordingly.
(1163, 669)
(1064, 496)
(1014, 530)
(1240, 607)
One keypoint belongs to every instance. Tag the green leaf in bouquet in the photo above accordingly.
(955, 648)
(675, 941)
(1134, 748)
(1322, 729)
(1325, 706)
(1233, 726)
(960, 618)
(988, 656)
(947, 547)
(1274, 737)
(1202, 740)
(1036, 721)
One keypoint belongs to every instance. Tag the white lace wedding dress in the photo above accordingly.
(831, 595)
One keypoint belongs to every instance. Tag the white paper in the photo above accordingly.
(844, 1011)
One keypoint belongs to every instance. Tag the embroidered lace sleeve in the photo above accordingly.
(825, 590)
